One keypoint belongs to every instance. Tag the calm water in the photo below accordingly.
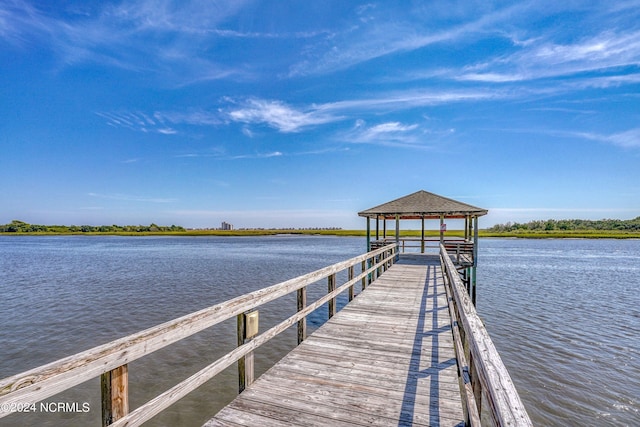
(564, 314)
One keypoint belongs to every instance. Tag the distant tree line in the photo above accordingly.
(16, 226)
(293, 228)
(570, 224)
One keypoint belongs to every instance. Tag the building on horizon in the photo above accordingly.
(226, 226)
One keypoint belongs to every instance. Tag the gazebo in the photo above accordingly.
(423, 205)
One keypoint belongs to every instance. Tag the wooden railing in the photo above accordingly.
(461, 249)
(484, 376)
(110, 361)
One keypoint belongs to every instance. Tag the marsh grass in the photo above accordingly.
(524, 234)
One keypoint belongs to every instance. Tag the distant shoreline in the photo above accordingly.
(528, 234)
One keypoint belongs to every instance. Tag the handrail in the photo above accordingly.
(406, 244)
(37, 384)
(488, 375)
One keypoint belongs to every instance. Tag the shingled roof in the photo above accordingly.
(423, 204)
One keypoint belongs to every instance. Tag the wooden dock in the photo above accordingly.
(386, 359)
(409, 349)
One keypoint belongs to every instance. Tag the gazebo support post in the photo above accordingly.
(398, 232)
(441, 229)
(422, 239)
(467, 238)
(466, 227)
(368, 234)
(475, 260)
(377, 228)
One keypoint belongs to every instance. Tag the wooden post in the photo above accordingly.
(241, 362)
(363, 265)
(441, 229)
(475, 383)
(368, 234)
(466, 228)
(385, 259)
(398, 230)
(422, 238)
(467, 279)
(376, 262)
(377, 228)
(475, 260)
(389, 262)
(246, 364)
(115, 394)
(350, 277)
(472, 286)
(302, 323)
(384, 227)
(470, 231)
(331, 286)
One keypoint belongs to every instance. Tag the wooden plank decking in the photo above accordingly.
(385, 359)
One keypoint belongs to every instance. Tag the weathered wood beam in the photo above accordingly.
(350, 277)
(331, 286)
(115, 394)
(422, 238)
(302, 323)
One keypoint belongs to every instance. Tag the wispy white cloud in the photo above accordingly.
(161, 121)
(381, 35)
(248, 132)
(132, 198)
(563, 110)
(626, 139)
(629, 139)
(601, 82)
(257, 156)
(609, 51)
(286, 118)
(279, 115)
(196, 117)
(389, 133)
(223, 155)
(173, 16)
(489, 77)
(402, 100)
(136, 121)
(167, 131)
(391, 127)
(394, 134)
(166, 38)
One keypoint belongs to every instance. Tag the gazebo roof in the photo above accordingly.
(423, 204)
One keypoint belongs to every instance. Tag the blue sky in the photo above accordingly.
(292, 113)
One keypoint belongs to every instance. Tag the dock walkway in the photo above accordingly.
(387, 358)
